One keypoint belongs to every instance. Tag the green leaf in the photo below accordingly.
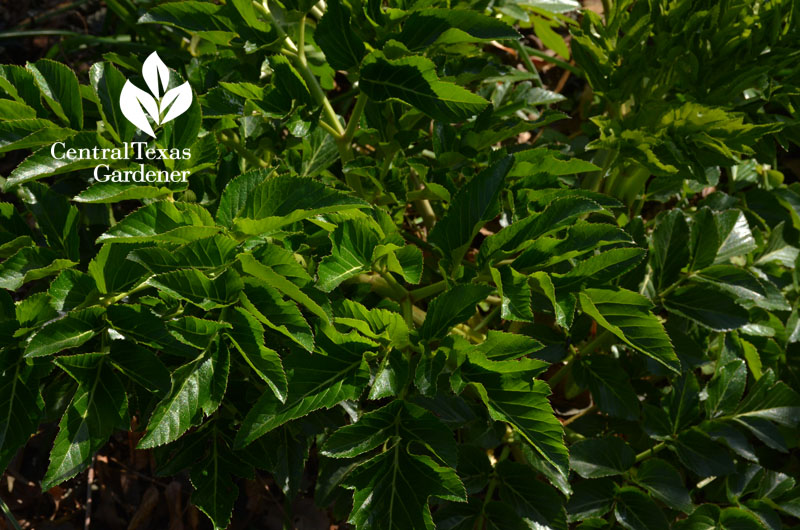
(683, 402)
(215, 491)
(536, 502)
(247, 336)
(234, 196)
(353, 243)
(267, 305)
(664, 483)
(627, 315)
(771, 400)
(475, 203)
(525, 232)
(204, 254)
(195, 390)
(141, 365)
(98, 407)
(29, 264)
(30, 134)
(276, 281)
(413, 80)
(195, 287)
(284, 200)
(501, 346)
(510, 393)
(12, 110)
(60, 89)
(590, 498)
(397, 420)
(601, 457)
(374, 323)
(335, 36)
(431, 26)
(42, 164)
(450, 308)
(113, 192)
(514, 292)
(162, 222)
(112, 272)
(57, 219)
(701, 455)
(138, 323)
(107, 83)
(336, 372)
(709, 307)
(636, 511)
(743, 285)
(704, 239)
(392, 489)
(71, 331)
(734, 235)
(726, 388)
(609, 384)
(21, 408)
(668, 250)
(208, 20)
(598, 269)
(196, 332)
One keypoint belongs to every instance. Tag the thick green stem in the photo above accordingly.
(428, 290)
(650, 452)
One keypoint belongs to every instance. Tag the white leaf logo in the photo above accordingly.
(134, 101)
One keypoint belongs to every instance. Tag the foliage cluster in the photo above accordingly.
(368, 271)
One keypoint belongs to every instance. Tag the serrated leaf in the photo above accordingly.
(609, 384)
(29, 264)
(42, 164)
(392, 490)
(60, 89)
(476, 203)
(515, 294)
(342, 47)
(510, 393)
(668, 250)
(636, 511)
(162, 222)
(247, 336)
(98, 407)
(664, 483)
(195, 287)
(352, 246)
(21, 408)
(141, 365)
(726, 388)
(701, 455)
(627, 315)
(413, 80)
(431, 26)
(601, 457)
(107, 83)
(450, 308)
(335, 372)
(399, 419)
(266, 304)
(281, 283)
(283, 200)
(71, 331)
(709, 307)
(193, 393)
(536, 502)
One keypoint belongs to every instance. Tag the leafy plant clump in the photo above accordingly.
(397, 279)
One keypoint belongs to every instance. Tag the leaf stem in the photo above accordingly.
(114, 299)
(650, 452)
(428, 290)
(9, 515)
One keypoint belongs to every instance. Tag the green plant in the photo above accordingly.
(364, 269)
